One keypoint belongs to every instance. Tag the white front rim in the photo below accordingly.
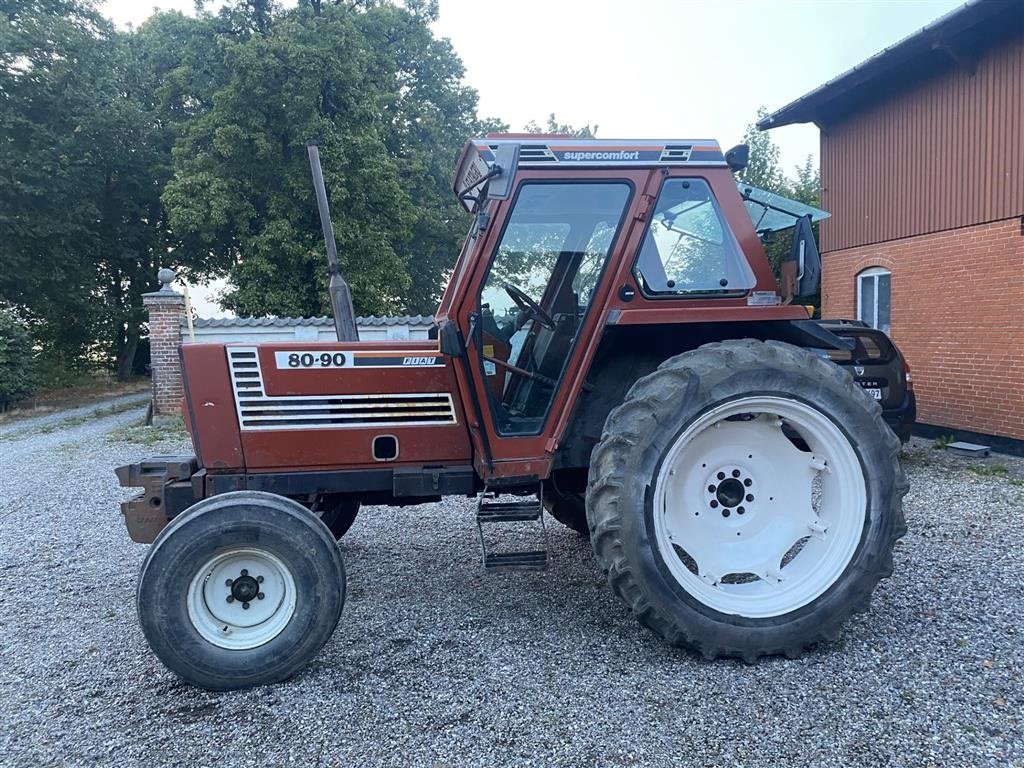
(749, 523)
(241, 599)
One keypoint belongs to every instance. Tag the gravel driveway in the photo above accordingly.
(438, 663)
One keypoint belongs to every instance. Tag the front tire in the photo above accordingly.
(241, 589)
(745, 498)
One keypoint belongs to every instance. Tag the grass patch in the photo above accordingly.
(990, 470)
(99, 413)
(914, 457)
(72, 391)
(165, 430)
(942, 442)
(69, 422)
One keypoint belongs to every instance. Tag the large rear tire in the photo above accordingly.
(745, 498)
(241, 589)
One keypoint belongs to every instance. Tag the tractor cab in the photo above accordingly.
(572, 239)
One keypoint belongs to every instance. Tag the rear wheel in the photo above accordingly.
(241, 589)
(568, 508)
(745, 499)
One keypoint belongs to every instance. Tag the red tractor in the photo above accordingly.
(611, 346)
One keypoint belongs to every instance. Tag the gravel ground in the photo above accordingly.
(437, 663)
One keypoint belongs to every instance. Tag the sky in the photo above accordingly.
(671, 69)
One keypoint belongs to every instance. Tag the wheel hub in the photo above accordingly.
(750, 522)
(730, 490)
(245, 587)
(242, 598)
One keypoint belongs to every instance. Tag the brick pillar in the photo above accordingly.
(166, 312)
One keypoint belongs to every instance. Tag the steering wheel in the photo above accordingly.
(529, 306)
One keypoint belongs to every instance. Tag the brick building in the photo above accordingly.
(922, 168)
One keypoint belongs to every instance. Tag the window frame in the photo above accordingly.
(873, 274)
(477, 303)
(728, 235)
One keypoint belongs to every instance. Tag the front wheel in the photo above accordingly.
(745, 499)
(241, 589)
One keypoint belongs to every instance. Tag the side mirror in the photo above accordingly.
(450, 340)
(801, 271)
(506, 158)
(738, 157)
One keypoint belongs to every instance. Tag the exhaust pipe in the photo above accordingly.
(341, 297)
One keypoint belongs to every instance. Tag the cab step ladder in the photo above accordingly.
(523, 509)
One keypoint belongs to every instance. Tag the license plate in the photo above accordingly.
(874, 392)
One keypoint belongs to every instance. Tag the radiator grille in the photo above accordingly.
(258, 410)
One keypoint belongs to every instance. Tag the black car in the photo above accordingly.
(879, 367)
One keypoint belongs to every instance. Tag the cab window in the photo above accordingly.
(688, 248)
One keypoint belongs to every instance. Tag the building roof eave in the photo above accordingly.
(953, 37)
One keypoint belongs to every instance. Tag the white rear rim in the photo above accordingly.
(241, 599)
(749, 523)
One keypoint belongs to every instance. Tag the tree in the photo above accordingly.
(764, 171)
(85, 153)
(553, 126)
(384, 98)
(52, 56)
(17, 359)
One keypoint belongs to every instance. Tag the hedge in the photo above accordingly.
(17, 360)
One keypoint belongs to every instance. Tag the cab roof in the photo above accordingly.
(478, 163)
(568, 151)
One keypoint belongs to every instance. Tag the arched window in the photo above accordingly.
(874, 297)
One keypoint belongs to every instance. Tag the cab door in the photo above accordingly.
(533, 302)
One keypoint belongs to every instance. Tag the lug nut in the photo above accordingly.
(750, 497)
(714, 504)
(711, 489)
(735, 473)
(741, 510)
(245, 606)
(229, 582)
(725, 513)
(721, 475)
(748, 482)
(245, 572)
(260, 596)
(259, 579)
(231, 599)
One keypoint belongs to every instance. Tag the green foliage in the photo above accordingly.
(84, 154)
(17, 360)
(384, 99)
(166, 431)
(553, 126)
(942, 442)
(988, 470)
(182, 143)
(764, 171)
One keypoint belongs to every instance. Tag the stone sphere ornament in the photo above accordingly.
(166, 277)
